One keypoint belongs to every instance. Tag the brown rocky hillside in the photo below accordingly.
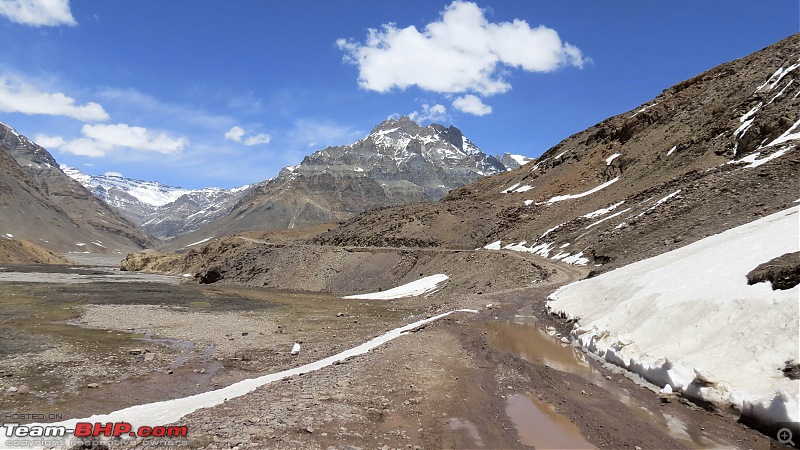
(40, 204)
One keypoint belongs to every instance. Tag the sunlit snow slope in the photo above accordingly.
(688, 319)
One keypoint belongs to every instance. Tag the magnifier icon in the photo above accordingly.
(785, 436)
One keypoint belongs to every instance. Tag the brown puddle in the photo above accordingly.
(535, 346)
(540, 427)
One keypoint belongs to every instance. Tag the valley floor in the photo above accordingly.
(496, 379)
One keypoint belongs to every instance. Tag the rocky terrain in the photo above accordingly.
(399, 162)
(43, 206)
(163, 211)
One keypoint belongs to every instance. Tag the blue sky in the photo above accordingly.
(207, 93)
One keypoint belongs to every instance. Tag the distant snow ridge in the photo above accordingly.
(163, 210)
(687, 321)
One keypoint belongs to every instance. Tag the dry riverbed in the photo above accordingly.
(497, 379)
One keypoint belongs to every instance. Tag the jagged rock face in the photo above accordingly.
(163, 211)
(708, 154)
(399, 162)
(45, 207)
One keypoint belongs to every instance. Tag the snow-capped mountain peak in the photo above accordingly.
(162, 210)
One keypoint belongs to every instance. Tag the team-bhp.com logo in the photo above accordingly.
(88, 429)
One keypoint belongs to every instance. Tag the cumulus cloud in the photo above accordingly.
(471, 104)
(461, 52)
(18, 96)
(100, 140)
(37, 13)
(50, 142)
(237, 134)
(430, 113)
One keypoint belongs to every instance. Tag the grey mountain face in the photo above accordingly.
(398, 162)
(163, 211)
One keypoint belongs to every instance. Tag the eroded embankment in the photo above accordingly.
(341, 270)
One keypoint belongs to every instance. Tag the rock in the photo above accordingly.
(490, 306)
(168, 372)
(93, 385)
(149, 356)
(23, 389)
(296, 349)
(137, 351)
(210, 275)
(310, 430)
(13, 390)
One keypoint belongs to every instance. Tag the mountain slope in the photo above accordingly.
(163, 211)
(399, 162)
(708, 154)
(42, 205)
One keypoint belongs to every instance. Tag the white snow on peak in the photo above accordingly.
(560, 198)
(520, 159)
(688, 319)
(415, 288)
(524, 188)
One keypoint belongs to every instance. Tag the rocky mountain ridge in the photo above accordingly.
(399, 162)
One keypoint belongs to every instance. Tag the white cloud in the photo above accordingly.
(258, 139)
(236, 134)
(37, 13)
(99, 140)
(19, 96)
(435, 113)
(113, 174)
(462, 52)
(49, 142)
(471, 104)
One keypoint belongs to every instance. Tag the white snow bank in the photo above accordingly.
(688, 319)
(162, 413)
(493, 245)
(202, 241)
(559, 198)
(414, 288)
